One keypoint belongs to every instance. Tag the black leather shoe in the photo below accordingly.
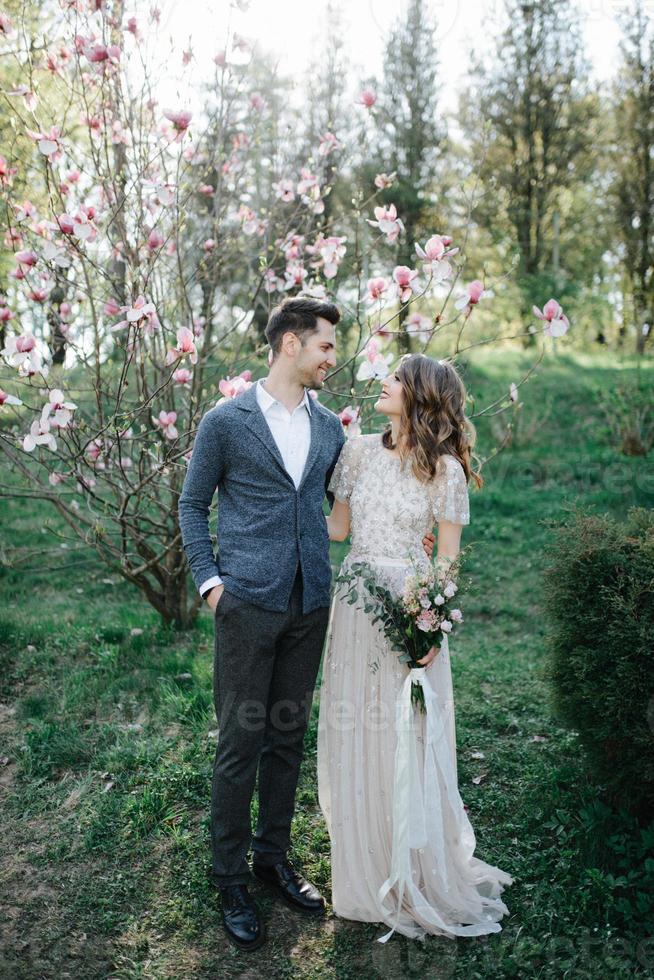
(240, 917)
(291, 887)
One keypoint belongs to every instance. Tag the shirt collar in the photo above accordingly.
(266, 400)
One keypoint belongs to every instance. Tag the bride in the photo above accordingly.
(389, 491)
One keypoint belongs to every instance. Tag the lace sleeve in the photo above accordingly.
(450, 497)
(345, 471)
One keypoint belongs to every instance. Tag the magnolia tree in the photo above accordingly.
(137, 261)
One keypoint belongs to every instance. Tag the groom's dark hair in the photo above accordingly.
(299, 315)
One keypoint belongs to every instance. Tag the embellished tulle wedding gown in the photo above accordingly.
(372, 825)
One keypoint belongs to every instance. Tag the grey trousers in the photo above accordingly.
(265, 670)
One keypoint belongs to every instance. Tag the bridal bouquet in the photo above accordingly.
(414, 621)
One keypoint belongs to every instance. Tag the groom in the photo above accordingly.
(270, 453)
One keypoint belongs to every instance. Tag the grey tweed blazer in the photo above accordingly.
(266, 528)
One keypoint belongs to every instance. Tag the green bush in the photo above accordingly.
(599, 604)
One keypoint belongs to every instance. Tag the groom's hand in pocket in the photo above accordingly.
(428, 543)
(213, 596)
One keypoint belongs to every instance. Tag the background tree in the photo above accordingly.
(165, 259)
(412, 136)
(529, 119)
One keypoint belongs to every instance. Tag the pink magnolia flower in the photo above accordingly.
(376, 288)
(185, 345)
(209, 244)
(166, 422)
(404, 278)
(30, 97)
(272, 283)
(307, 181)
(165, 194)
(39, 435)
(27, 257)
(310, 195)
(48, 143)
(284, 190)
(350, 420)
(180, 118)
(292, 247)
(295, 274)
(367, 98)
(54, 479)
(249, 219)
(427, 621)
(220, 59)
(66, 223)
(24, 211)
(315, 290)
(435, 254)
(6, 172)
(155, 240)
(331, 251)
(419, 326)
(57, 411)
(141, 312)
(556, 322)
(182, 376)
(382, 181)
(93, 450)
(111, 307)
(233, 387)
(388, 222)
(6, 26)
(374, 364)
(19, 348)
(81, 225)
(56, 252)
(257, 101)
(328, 144)
(6, 399)
(39, 295)
(99, 53)
(33, 365)
(240, 43)
(474, 293)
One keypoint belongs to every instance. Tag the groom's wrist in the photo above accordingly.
(209, 584)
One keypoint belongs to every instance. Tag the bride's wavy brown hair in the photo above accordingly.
(433, 420)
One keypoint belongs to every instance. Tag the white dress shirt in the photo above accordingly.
(292, 434)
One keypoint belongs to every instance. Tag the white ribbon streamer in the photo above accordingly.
(418, 810)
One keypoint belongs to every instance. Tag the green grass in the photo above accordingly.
(104, 801)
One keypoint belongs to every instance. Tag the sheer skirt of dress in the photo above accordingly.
(453, 893)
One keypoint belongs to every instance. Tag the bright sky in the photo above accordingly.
(292, 29)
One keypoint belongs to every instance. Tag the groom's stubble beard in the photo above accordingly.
(311, 380)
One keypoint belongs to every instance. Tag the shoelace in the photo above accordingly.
(237, 896)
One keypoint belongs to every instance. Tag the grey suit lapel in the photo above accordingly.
(256, 423)
(314, 448)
